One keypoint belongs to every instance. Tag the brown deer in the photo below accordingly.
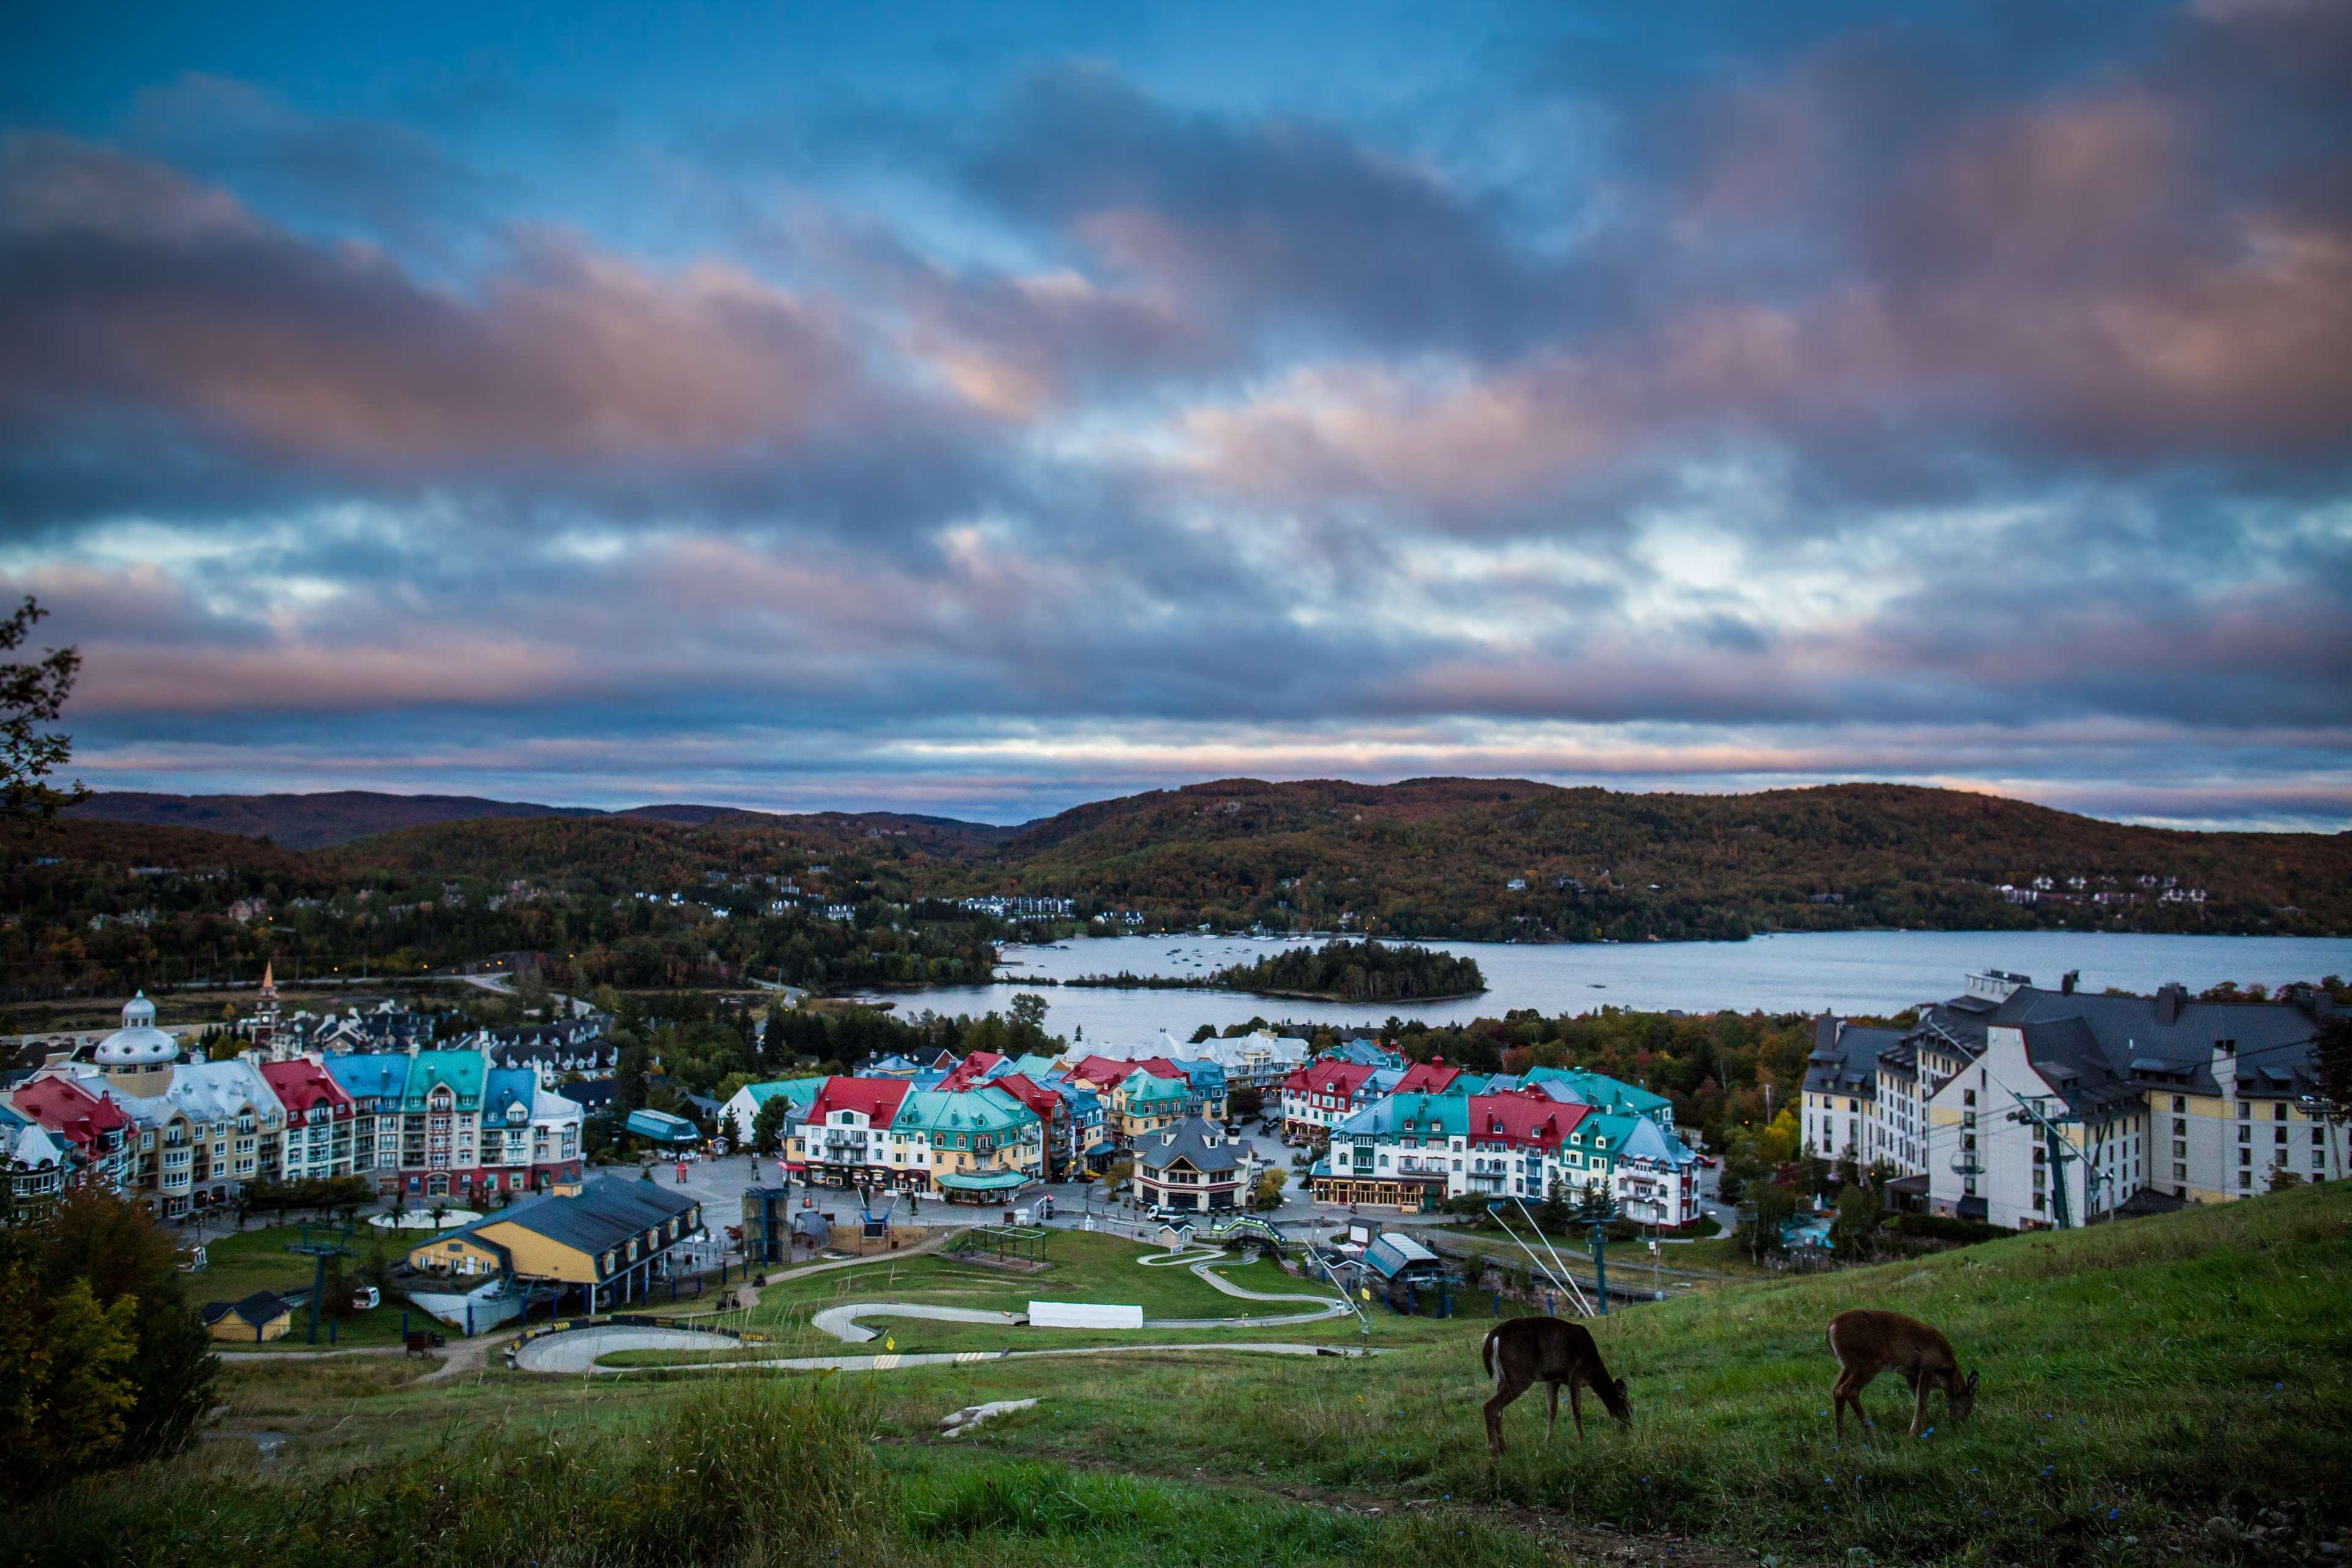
(1524, 1351)
(1867, 1342)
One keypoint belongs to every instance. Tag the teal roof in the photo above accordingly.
(1601, 1091)
(1153, 1087)
(796, 1090)
(984, 1109)
(992, 1181)
(662, 1125)
(1432, 1116)
(463, 1071)
(1036, 1068)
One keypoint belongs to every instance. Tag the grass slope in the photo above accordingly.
(2138, 1381)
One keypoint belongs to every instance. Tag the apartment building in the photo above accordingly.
(2019, 1105)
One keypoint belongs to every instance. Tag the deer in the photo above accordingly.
(1867, 1342)
(1524, 1351)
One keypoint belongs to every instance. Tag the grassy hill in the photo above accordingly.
(2170, 1390)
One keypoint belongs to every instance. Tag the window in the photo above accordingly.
(2180, 1105)
(2244, 1111)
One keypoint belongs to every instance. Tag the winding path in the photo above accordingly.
(842, 1323)
(576, 1350)
(584, 1362)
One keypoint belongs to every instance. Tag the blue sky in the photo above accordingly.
(984, 409)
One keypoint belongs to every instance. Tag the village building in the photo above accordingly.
(1191, 1167)
(609, 1239)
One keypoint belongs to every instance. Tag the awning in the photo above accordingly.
(993, 1182)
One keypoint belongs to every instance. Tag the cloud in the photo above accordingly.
(1864, 410)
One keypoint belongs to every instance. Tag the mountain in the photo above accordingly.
(1438, 857)
(339, 816)
(304, 821)
(1424, 858)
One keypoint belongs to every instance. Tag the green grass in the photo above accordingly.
(2138, 1380)
(238, 1264)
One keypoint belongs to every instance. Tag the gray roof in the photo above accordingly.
(1205, 1147)
(1844, 1058)
(605, 1213)
(2107, 1049)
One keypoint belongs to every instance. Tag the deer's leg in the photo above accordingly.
(1551, 1422)
(1510, 1387)
(1919, 1406)
(1576, 1407)
(1847, 1391)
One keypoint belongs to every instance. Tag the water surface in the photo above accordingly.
(1843, 972)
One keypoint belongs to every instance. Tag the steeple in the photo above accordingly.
(265, 1015)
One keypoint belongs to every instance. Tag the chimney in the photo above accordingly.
(2169, 997)
(2066, 985)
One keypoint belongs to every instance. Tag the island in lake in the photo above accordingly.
(1340, 971)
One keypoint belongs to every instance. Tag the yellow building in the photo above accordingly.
(612, 1240)
(260, 1317)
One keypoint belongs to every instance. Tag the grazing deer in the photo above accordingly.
(1525, 1352)
(1867, 1342)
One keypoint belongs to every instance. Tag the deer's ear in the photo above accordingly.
(1972, 1383)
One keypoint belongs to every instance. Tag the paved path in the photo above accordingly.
(962, 1358)
(842, 1323)
(577, 1350)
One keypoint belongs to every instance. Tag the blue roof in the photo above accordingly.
(373, 1075)
(503, 1087)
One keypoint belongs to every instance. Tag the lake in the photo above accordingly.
(1841, 971)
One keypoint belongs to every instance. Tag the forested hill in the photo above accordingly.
(1437, 857)
(339, 816)
(1471, 858)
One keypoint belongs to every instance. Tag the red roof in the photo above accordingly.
(302, 1084)
(1427, 1077)
(1114, 1069)
(877, 1098)
(967, 1072)
(1036, 1096)
(1531, 1119)
(1328, 1078)
(62, 1106)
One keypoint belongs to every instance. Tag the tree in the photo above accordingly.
(1768, 1206)
(32, 695)
(629, 1080)
(2331, 1067)
(1859, 1214)
(1551, 1214)
(65, 1389)
(128, 1269)
(1205, 1032)
(768, 1125)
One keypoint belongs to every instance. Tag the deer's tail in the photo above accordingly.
(1486, 1353)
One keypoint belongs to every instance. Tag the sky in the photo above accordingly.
(979, 410)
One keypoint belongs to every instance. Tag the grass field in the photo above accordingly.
(239, 1263)
(2140, 1381)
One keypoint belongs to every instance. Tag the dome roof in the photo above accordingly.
(139, 1043)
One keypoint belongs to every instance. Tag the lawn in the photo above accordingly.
(239, 1263)
(2140, 1381)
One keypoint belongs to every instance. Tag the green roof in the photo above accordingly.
(993, 1182)
(463, 1071)
(982, 1110)
(1154, 1087)
(1601, 1091)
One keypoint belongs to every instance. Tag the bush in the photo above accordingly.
(755, 1470)
(1944, 1228)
